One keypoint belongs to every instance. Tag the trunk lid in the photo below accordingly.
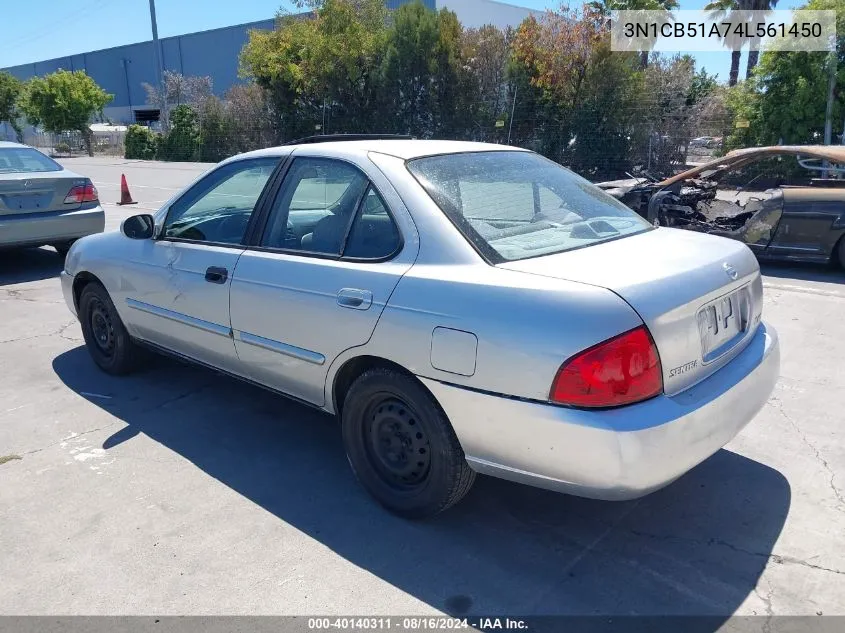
(22, 193)
(699, 295)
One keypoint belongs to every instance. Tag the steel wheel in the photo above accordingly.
(401, 446)
(106, 338)
(102, 326)
(396, 443)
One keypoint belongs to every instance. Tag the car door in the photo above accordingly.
(176, 287)
(330, 255)
(813, 219)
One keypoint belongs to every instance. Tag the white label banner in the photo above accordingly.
(699, 30)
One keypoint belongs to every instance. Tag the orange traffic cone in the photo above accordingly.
(125, 196)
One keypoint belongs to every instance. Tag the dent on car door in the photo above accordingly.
(176, 287)
(312, 289)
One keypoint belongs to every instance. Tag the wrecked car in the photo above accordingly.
(783, 222)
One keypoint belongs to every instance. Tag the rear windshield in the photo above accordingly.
(514, 205)
(24, 160)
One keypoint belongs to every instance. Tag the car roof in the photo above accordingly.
(740, 157)
(401, 148)
(11, 144)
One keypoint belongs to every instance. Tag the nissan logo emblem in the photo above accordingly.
(730, 270)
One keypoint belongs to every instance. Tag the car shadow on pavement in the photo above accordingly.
(29, 264)
(803, 272)
(698, 546)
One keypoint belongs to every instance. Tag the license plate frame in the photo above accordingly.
(723, 322)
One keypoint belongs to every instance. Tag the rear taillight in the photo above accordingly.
(82, 193)
(621, 370)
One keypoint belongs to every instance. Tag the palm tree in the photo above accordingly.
(754, 53)
(605, 7)
(720, 9)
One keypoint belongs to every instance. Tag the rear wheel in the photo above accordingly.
(401, 446)
(106, 338)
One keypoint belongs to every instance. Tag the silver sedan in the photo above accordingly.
(42, 203)
(461, 308)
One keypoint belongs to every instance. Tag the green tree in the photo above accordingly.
(182, 141)
(10, 90)
(785, 99)
(452, 110)
(670, 112)
(484, 57)
(140, 143)
(421, 68)
(701, 86)
(553, 56)
(215, 131)
(410, 67)
(606, 123)
(323, 71)
(252, 118)
(64, 101)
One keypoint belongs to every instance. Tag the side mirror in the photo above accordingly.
(138, 227)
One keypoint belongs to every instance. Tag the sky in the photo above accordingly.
(44, 29)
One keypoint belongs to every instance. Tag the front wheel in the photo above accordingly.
(107, 340)
(401, 446)
(840, 251)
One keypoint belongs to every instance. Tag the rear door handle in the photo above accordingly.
(354, 298)
(216, 275)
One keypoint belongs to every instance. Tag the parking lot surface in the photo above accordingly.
(178, 491)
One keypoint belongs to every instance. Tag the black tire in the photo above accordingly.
(106, 338)
(63, 247)
(401, 446)
(840, 252)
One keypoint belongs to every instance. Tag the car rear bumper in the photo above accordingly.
(619, 453)
(36, 229)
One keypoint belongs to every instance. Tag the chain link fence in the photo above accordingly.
(596, 143)
(104, 142)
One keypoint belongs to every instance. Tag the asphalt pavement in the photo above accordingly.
(178, 491)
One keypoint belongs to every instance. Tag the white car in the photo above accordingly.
(461, 307)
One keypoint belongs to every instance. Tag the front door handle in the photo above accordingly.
(216, 275)
(354, 298)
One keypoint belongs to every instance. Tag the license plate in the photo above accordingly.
(26, 202)
(722, 323)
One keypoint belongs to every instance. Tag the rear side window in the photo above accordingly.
(328, 207)
(514, 205)
(24, 160)
(373, 234)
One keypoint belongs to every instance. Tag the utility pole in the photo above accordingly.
(831, 86)
(513, 107)
(159, 66)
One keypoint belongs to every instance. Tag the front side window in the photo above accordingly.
(514, 205)
(217, 209)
